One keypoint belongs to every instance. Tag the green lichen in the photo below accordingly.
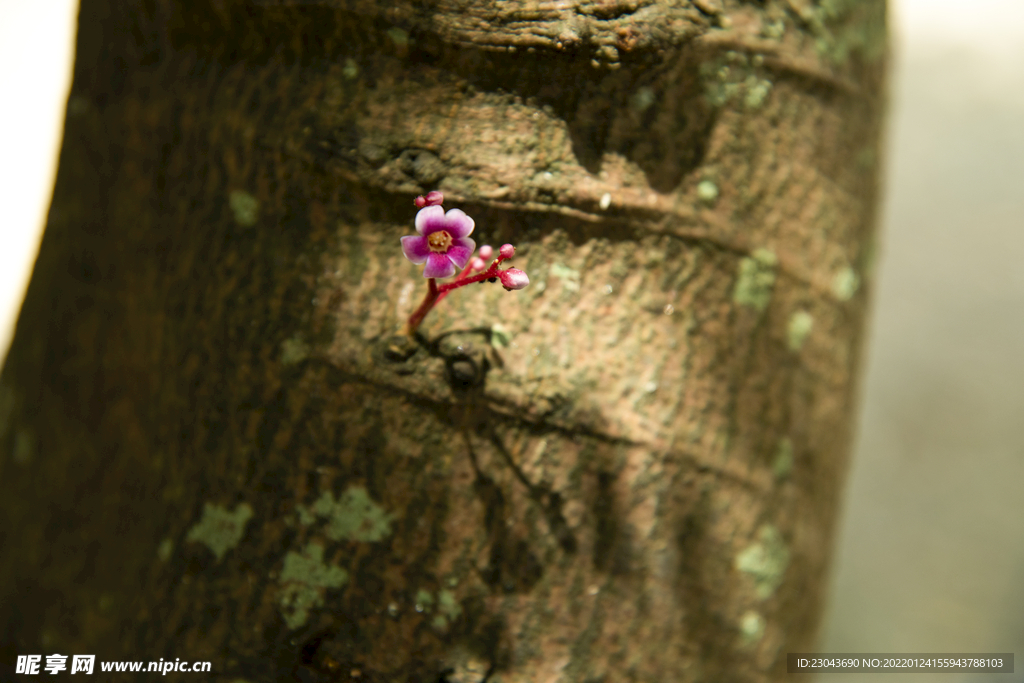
(500, 336)
(164, 550)
(845, 284)
(398, 36)
(424, 600)
(765, 561)
(351, 69)
(735, 77)
(220, 530)
(719, 94)
(305, 516)
(353, 517)
(642, 99)
(756, 279)
(782, 465)
(751, 627)
(304, 579)
(848, 28)
(799, 328)
(448, 609)
(707, 191)
(774, 27)
(570, 278)
(757, 91)
(448, 606)
(293, 351)
(244, 207)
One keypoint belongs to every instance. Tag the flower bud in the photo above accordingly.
(507, 251)
(513, 278)
(478, 264)
(433, 198)
(486, 252)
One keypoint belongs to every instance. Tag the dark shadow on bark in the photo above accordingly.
(512, 567)
(650, 108)
(612, 539)
(633, 110)
(696, 577)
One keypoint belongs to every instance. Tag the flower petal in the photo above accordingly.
(458, 224)
(438, 265)
(460, 251)
(429, 219)
(415, 248)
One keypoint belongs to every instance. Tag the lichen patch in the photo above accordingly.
(570, 278)
(707, 191)
(845, 284)
(244, 207)
(164, 550)
(756, 279)
(354, 516)
(782, 465)
(757, 90)
(799, 328)
(293, 351)
(447, 605)
(304, 579)
(765, 561)
(220, 530)
(751, 627)
(351, 69)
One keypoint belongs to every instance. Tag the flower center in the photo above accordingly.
(439, 241)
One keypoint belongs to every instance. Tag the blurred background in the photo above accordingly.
(931, 545)
(930, 554)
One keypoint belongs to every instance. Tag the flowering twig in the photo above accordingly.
(443, 243)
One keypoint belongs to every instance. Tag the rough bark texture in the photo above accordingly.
(208, 449)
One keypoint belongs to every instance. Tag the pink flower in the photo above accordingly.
(443, 241)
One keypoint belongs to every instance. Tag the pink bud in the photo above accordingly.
(478, 264)
(513, 278)
(433, 198)
(486, 252)
(507, 251)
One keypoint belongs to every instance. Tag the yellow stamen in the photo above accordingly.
(439, 241)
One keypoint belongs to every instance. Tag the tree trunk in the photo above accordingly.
(628, 471)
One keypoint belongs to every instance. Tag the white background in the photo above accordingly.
(931, 553)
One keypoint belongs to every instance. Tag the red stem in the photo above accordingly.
(460, 276)
(428, 302)
(435, 293)
(462, 281)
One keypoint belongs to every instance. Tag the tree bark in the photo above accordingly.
(211, 450)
